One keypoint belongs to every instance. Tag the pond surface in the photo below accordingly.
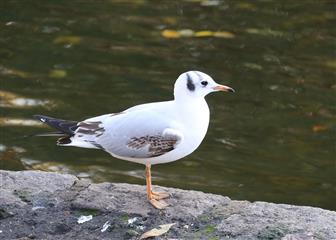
(273, 140)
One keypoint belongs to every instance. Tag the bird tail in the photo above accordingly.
(65, 129)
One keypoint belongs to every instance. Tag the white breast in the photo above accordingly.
(193, 122)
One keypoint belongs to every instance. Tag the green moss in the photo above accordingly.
(209, 229)
(271, 233)
(124, 217)
(86, 212)
(204, 218)
(25, 196)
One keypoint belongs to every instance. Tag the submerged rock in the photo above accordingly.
(43, 205)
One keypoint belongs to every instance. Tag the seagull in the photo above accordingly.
(151, 133)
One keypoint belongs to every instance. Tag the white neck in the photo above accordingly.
(194, 112)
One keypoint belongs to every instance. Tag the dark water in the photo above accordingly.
(274, 140)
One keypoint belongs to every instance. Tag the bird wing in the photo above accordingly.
(155, 145)
(133, 134)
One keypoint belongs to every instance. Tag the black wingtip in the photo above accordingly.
(41, 118)
(64, 126)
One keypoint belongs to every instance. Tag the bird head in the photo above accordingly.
(197, 84)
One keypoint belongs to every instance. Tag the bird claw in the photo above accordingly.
(159, 204)
(160, 195)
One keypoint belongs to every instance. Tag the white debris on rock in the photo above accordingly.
(132, 220)
(37, 207)
(105, 226)
(83, 219)
(141, 228)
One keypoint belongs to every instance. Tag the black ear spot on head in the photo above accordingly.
(190, 84)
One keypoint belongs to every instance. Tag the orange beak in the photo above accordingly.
(223, 88)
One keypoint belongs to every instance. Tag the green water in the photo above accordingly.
(273, 140)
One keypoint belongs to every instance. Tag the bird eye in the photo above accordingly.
(204, 83)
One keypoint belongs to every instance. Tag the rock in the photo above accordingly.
(44, 205)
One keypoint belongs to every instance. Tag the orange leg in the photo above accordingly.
(154, 197)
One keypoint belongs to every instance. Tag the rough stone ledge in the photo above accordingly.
(43, 205)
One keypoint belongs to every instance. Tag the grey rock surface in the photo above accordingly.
(43, 205)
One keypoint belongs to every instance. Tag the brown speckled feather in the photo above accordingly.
(158, 145)
(90, 128)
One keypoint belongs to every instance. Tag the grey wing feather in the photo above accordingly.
(135, 135)
(157, 145)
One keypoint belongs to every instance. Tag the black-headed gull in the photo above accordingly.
(149, 133)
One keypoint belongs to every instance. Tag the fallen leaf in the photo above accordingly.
(319, 128)
(67, 40)
(224, 34)
(246, 5)
(186, 32)
(204, 34)
(170, 34)
(57, 73)
(265, 32)
(331, 63)
(155, 232)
